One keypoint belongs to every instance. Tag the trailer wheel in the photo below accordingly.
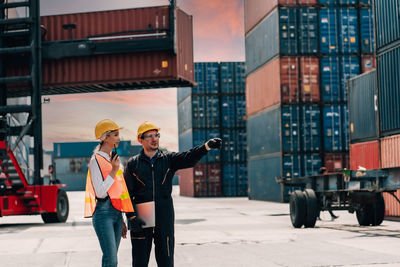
(312, 208)
(297, 208)
(378, 210)
(364, 215)
(61, 214)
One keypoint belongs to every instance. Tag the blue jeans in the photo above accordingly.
(107, 222)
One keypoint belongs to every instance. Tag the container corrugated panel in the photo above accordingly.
(334, 162)
(241, 146)
(346, 127)
(199, 78)
(328, 30)
(182, 93)
(266, 124)
(367, 30)
(290, 124)
(262, 173)
(362, 111)
(311, 128)
(108, 70)
(390, 151)
(198, 111)
(365, 2)
(387, 22)
(229, 185)
(228, 149)
(388, 91)
(291, 165)
(240, 77)
(368, 63)
(212, 111)
(255, 11)
(214, 180)
(288, 32)
(392, 206)
(309, 79)
(186, 140)
(333, 128)
(330, 79)
(290, 79)
(348, 32)
(227, 77)
(185, 115)
(240, 111)
(365, 155)
(228, 111)
(186, 186)
(213, 155)
(350, 67)
(199, 138)
(338, 2)
(211, 77)
(262, 43)
(308, 30)
(242, 180)
(263, 88)
(200, 180)
(311, 164)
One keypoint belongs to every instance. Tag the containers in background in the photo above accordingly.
(368, 63)
(388, 91)
(392, 207)
(365, 154)
(348, 30)
(363, 113)
(311, 128)
(390, 151)
(308, 32)
(328, 30)
(334, 128)
(336, 161)
(387, 22)
(206, 77)
(309, 79)
(367, 30)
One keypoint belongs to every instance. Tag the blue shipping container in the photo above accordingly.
(291, 165)
(308, 30)
(311, 164)
(199, 78)
(288, 31)
(229, 184)
(333, 128)
(346, 128)
(290, 128)
(240, 111)
(367, 30)
(365, 2)
(241, 145)
(198, 111)
(330, 79)
(211, 77)
(328, 26)
(387, 22)
(227, 77)
(242, 180)
(228, 111)
(214, 155)
(350, 67)
(228, 145)
(185, 115)
(212, 111)
(240, 77)
(348, 33)
(311, 128)
(199, 138)
(338, 2)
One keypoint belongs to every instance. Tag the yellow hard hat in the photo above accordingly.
(104, 126)
(145, 127)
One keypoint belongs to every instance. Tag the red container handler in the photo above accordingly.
(365, 155)
(122, 71)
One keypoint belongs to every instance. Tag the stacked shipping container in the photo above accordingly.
(299, 57)
(215, 107)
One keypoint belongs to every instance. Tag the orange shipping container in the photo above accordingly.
(116, 71)
(364, 154)
(392, 206)
(390, 151)
(309, 79)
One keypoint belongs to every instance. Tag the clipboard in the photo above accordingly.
(146, 212)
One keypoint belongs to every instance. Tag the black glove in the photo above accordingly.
(215, 143)
(136, 224)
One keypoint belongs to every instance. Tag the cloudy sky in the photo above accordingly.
(218, 36)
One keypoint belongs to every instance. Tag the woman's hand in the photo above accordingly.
(115, 163)
(124, 230)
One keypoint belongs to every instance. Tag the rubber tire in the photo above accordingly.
(298, 208)
(312, 208)
(61, 215)
(378, 212)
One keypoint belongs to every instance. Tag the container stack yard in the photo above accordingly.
(215, 107)
(299, 56)
(374, 98)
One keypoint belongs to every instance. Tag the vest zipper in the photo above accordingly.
(168, 246)
(165, 177)
(139, 179)
(154, 187)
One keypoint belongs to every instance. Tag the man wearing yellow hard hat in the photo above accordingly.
(148, 177)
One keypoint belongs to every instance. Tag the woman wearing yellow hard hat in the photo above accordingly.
(106, 195)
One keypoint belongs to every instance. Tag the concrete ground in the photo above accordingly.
(226, 232)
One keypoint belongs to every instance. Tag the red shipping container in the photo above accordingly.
(186, 187)
(368, 63)
(115, 71)
(193, 181)
(214, 180)
(392, 206)
(263, 88)
(256, 10)
(289, 79)
(365, 154)
(309, 79)
(334, 162)
(390, 151)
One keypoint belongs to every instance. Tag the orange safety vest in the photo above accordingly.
(118, 192)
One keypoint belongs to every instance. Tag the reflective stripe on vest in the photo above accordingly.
(118, 191)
